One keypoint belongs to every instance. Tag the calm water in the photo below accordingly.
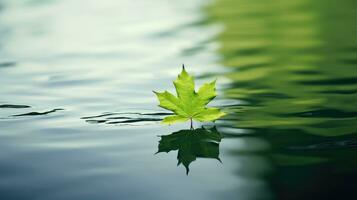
(78, 119)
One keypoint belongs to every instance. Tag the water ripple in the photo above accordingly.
(38, 113)
(14, 106)
(7, 64)
(328, 145)
(126, 118)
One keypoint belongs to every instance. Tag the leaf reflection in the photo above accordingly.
(192, 144)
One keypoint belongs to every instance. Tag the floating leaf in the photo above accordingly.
(189, 104)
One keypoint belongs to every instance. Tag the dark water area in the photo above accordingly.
(79, 120)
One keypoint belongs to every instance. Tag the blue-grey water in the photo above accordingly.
(78, 119)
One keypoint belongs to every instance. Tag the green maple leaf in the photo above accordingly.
(189, 104)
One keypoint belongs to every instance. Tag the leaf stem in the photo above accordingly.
(191, 123)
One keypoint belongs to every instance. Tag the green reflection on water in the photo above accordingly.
(293, 63)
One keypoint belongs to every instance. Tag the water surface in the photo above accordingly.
(78, 119)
